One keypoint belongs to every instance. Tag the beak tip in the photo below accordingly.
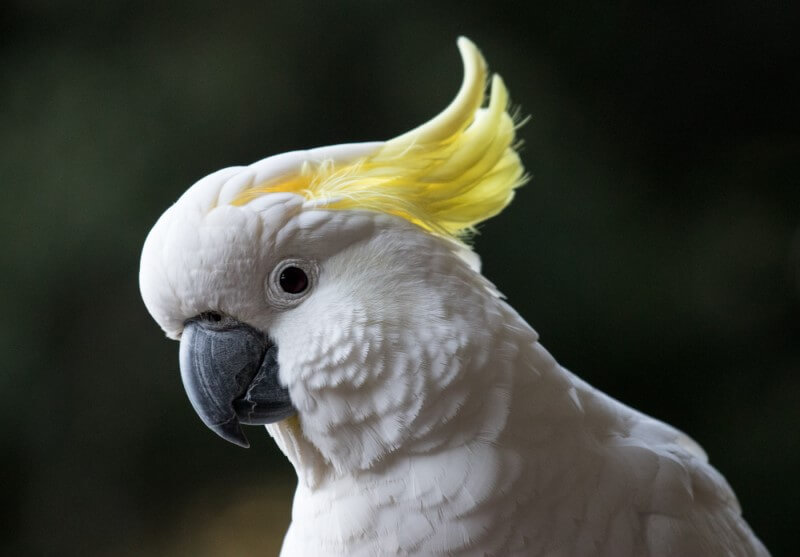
(243, 443)
(232, 432)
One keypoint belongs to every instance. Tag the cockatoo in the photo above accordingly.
(330, 295)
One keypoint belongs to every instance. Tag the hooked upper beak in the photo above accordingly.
(230, 372)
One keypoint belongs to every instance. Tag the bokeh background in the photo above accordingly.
(656, 248)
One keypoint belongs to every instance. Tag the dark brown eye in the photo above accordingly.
(293, 280)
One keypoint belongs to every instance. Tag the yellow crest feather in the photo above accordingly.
(449, 174)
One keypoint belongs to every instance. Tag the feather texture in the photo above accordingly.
(447, 175)
(430, 420)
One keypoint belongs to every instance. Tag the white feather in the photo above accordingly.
(431, 420)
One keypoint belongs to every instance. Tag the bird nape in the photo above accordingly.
(330, 294)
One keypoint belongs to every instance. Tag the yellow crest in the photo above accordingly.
(449, 174)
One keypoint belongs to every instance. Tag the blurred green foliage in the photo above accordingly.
(655, 249)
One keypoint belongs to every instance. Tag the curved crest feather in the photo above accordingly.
(447, 175)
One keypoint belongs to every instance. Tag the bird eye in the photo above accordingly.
(293, 280)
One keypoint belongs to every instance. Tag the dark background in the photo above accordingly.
(656, 248)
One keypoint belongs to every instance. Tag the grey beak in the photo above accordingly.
(230, 372)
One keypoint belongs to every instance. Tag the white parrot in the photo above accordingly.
(329, 294)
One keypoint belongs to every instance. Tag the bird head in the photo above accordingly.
(329, 292)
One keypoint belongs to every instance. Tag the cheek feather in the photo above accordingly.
(375, 357)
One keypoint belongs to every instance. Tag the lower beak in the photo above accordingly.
(230, 372)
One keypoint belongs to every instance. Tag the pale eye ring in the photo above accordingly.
(291, 281)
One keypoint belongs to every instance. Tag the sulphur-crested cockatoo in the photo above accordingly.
(329, 294)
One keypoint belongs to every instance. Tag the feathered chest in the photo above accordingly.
(448, 502)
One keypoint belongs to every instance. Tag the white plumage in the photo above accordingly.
(430, 420)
